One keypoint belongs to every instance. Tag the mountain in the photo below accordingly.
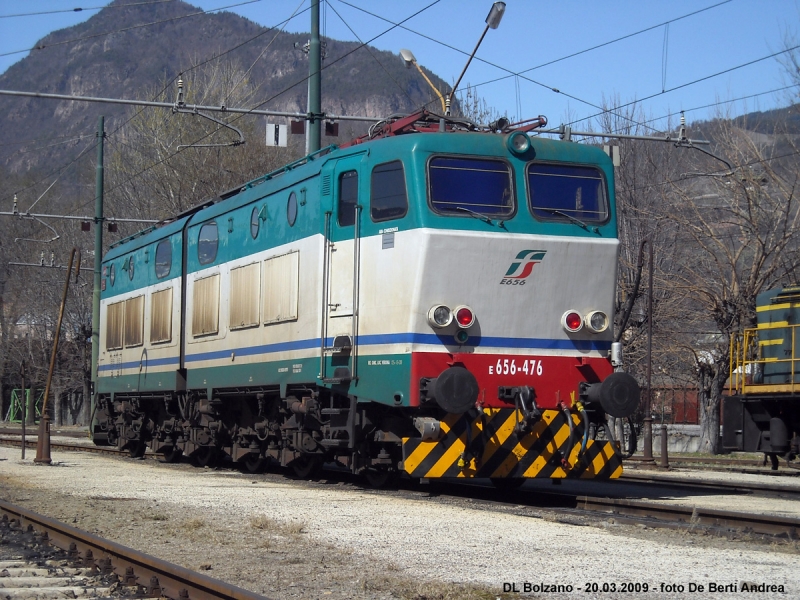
(134, 51)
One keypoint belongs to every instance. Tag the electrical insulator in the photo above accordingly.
(15, 204)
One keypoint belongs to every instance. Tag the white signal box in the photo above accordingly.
(276, 135)
(613, 152)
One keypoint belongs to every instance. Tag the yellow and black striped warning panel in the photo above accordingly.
(490, 444)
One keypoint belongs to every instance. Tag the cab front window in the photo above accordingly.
(463, 186)
(567, 193)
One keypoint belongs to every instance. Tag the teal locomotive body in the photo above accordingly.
(436, 304)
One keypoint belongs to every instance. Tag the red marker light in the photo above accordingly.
(464, 316)
(572, 321)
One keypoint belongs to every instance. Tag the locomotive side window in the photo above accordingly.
(134, 321)
(254, 223)
(207, 243)
(460, 186)
(348, 198)
(130, 269)
(291, 209)
(566, 192)
(389, 199)
(161, 318)
(205, 312)
(163, 258)
(115, 317)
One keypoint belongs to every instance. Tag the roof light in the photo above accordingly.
(440, 316)
(518, 142)
(465, 317)
(572, 321)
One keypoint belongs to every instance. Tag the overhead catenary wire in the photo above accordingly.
(118, 128)
(51, 173)
(688, 83)
(604, 44)
(289, 87)
(277, 33)
(79, 9)
(372, 54)
(711, 105)
(521, 73)
(132, 27)
(188, 69)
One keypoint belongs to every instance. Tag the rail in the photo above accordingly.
(748, 364)
(158, 578)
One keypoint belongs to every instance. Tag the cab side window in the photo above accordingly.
(388, 196)
(348, 198)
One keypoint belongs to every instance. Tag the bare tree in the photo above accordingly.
(738, 237)
(157, 166)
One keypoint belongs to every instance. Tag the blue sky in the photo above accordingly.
(656, 67)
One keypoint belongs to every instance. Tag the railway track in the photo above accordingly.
(89, 566)
(621, 509)
(768, 490)
(747, 466)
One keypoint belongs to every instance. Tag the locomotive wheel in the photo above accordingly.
(306, 467)
(173, 456)
(137, 449)
(380, 478)
(205, 456)
(507, 483)
(255, 463)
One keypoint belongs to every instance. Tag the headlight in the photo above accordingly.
(597, 321)
(440, 316)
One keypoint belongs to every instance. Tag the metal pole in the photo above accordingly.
(24, 402)
(648, 417)
(314, 139)
(449, 100)
(98, 259)
(188, 107)
(43, 445)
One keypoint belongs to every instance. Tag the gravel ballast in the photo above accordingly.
(332, 539)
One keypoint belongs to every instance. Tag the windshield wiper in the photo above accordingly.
(555, 211)
(476, 215)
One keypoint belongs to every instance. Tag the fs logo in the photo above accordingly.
(522, 267)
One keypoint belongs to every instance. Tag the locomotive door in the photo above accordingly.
(342, 236)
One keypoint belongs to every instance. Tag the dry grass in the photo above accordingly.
(275, 527)
(193, 524)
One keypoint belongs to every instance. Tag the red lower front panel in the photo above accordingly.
(553, 379)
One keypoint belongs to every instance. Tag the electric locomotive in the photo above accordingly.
(432, 299)
(761, 413)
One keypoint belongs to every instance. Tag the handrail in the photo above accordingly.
(747, 360)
